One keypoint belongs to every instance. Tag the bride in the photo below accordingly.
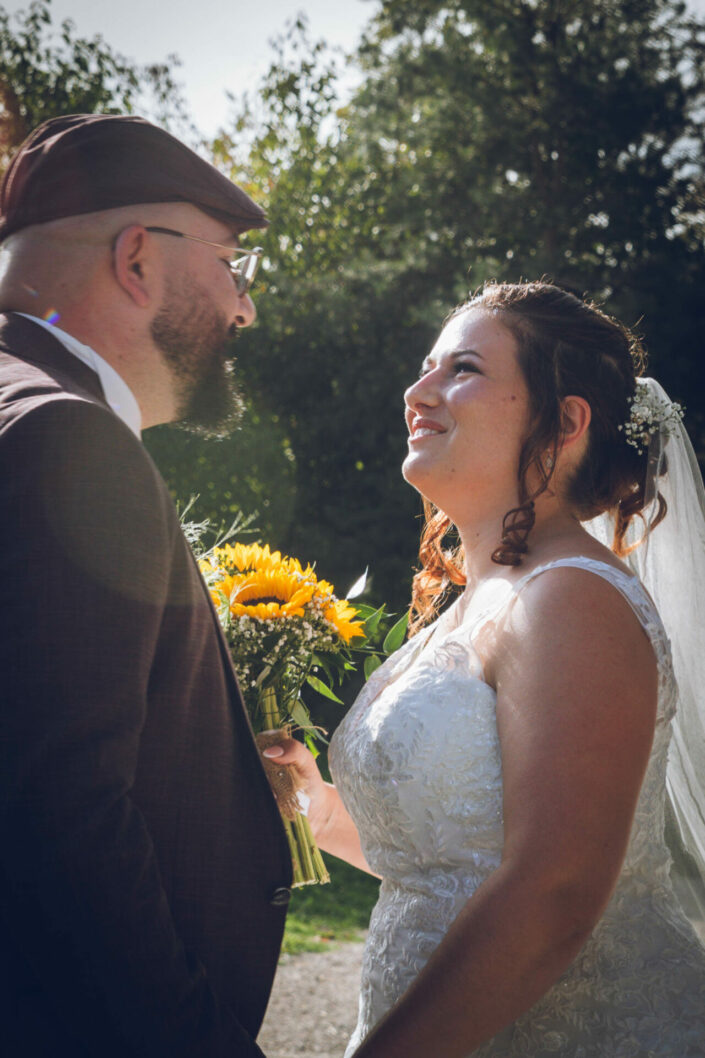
(504, 773)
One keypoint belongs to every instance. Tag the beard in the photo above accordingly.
(196, 342)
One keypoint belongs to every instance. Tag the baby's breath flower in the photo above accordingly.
(278, 619)
(648, 414)
(276, 614)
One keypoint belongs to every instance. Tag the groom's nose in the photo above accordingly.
(245, 313)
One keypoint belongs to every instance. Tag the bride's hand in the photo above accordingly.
(332, 827)
(289, 751)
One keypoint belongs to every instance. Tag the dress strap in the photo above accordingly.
(626, 583)
(631, 588)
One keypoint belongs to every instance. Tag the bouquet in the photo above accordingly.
(285, 629)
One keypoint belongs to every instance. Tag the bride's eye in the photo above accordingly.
(462, 366)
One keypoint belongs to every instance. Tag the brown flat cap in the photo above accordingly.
(83, 163)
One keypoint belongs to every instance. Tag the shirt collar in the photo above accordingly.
(118, 394)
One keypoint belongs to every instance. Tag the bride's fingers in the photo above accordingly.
(290, 751)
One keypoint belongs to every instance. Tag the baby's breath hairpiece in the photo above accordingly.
(648, 414)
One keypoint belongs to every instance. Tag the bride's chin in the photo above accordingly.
(423, 482)
(411, 472)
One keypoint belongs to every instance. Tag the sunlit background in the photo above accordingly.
(461, 150)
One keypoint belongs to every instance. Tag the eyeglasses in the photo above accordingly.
(243, 269)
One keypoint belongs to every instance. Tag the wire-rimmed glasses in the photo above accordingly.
(243, 268)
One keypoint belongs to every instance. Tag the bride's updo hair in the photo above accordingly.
(566, 347)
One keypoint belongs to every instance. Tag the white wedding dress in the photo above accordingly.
(417, 763)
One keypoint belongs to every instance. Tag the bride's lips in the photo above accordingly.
(421, 429)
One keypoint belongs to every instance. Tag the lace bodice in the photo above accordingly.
(417, 762)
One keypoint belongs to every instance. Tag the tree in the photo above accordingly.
(43, 77)
(559, 138)
(318, 403)
(507, 140)
(567, 134)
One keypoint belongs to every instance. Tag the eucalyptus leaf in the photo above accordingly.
(371, 663)
(319, 685)
(396, 635)
(372, 622)
(323, 663)
(300, 714)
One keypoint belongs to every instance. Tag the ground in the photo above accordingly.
(313, 1007)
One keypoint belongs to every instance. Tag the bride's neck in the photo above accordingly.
(555, 529)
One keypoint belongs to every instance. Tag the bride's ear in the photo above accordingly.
(575, 419)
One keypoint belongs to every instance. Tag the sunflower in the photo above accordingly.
(284, 628)
(266, 594)
(239, 558)
(340, 613)
(250, 580)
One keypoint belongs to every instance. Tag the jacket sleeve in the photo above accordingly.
(85, 545)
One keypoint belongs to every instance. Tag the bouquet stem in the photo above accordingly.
(308, 864)
(271, 716)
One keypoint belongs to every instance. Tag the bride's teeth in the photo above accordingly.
(425, 431)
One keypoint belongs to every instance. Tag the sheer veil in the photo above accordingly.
(671, 565)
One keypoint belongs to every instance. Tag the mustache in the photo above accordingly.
(231, 339)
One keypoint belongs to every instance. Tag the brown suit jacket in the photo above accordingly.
(144, 871)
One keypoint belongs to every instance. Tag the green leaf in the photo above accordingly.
(372, 622)
(371, 663)
(396, 635)
(321, 662)
(319, 686)
(300, 714)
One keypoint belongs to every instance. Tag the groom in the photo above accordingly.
(144, 873)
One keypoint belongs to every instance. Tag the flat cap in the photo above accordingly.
(83, 163)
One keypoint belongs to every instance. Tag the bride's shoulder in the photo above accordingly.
(569, 632)
(574, 580)
(580, 604)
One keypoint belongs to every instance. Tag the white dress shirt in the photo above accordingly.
(118, 394)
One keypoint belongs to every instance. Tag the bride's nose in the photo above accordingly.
(422, 392)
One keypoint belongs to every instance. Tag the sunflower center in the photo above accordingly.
(262, 599)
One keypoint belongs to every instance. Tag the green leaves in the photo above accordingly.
(484, 140)
(371, 618)
(371, 663)
(322, 688)
(47, 71)
(396, 635)
(371, 651)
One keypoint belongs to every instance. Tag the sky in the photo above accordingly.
(223, 44)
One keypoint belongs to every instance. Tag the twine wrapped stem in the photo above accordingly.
(308, 865)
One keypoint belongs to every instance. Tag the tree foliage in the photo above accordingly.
(322, 369)
(507, 140)
(47, 71)
(556, 138)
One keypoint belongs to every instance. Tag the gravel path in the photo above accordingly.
(313, 1007)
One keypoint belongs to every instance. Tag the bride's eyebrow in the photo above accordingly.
(429, 362)
(466, 352)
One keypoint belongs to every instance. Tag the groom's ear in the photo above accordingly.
(575, 420)
(134, 264)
